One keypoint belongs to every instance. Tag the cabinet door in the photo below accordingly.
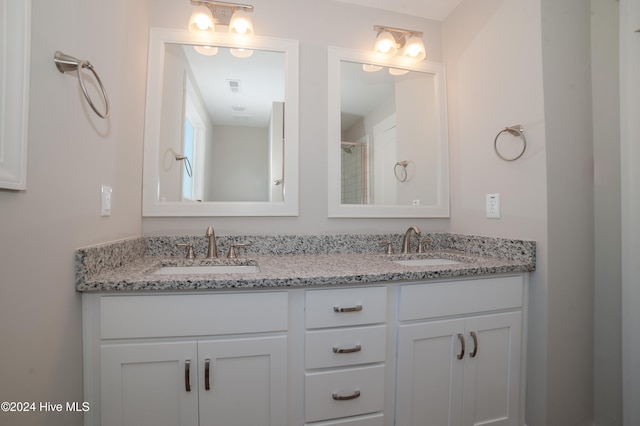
(429, 374)
(243, 382)
(147, 384)
(492, 370)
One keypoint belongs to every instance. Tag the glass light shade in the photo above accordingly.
(206, 50)
(397, 71)
(201, 20)
(240, 23)
(414, 49)
(241, 53)
(371, 68)
(385, 44)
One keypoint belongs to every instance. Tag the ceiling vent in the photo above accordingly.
(234, 86)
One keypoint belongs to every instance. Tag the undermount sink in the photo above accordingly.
(207, 269)
(431, 261)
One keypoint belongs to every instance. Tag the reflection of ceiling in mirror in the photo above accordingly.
(361, 91)
(430, 9)
(260, 79)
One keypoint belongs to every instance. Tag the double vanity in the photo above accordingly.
(305, 330)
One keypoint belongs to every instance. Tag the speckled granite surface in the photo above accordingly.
(292, 261)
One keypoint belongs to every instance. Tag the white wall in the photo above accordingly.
(239, 158)
(527, 63)
(630, 183)
(606, 136)
(494, 52)
(568, 116)
(71, 153)
(495, 81)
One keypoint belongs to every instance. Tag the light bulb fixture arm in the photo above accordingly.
(400, 35)
(222, 11)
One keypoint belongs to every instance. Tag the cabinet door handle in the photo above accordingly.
(356, 308)
(354, 395)
(338, 350)
(461, 338)
(474, 336)
(207, 364)
(187, 375)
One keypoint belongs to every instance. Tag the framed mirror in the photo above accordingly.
(15, 52)
(388, 145)
(221, 126)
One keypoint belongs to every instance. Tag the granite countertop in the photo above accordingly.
(129, 265)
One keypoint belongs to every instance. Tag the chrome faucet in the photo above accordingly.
(212, 249)
(406, 243)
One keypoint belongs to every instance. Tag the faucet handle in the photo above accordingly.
(232, 249)
(421, 244)
(190, 254)
(389, 249)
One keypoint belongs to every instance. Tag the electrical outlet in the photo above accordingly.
(493, 206)
(106, 192)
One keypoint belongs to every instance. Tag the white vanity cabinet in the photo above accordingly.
(344, 357)
(189, 359)
(459, 352)
(441, 352)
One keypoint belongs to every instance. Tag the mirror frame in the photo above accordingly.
(440, 209)
(14, 93)
(151, 205)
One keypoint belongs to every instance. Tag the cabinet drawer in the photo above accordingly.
(345, 307)
(420, 301)
(344, 346)
(370, 420)
(192, 315)
(323, 390)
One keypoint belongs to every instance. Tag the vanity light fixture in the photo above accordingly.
(396, 41)
(397, 71)
(371, 68)
(240, 53)
(206, 50)
(208, 14)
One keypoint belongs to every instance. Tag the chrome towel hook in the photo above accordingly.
(515, 130)
(66, 63)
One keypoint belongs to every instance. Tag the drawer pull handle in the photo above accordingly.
(187, 375)
(461, 338)
(207, 364)
(354, 395)
(356, 348)
(474, 336)
(356, 308)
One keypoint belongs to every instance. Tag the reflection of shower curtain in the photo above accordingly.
(353, 173)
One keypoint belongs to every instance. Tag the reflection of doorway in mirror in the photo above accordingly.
(193, 146)
(384, 157)
(354, 172)
(187, 151)
(276, 152)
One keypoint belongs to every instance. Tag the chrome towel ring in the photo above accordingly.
(66, 63)
(515, 130)
(403, 164)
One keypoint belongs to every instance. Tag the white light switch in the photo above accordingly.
(493, 206)
(106, 201)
